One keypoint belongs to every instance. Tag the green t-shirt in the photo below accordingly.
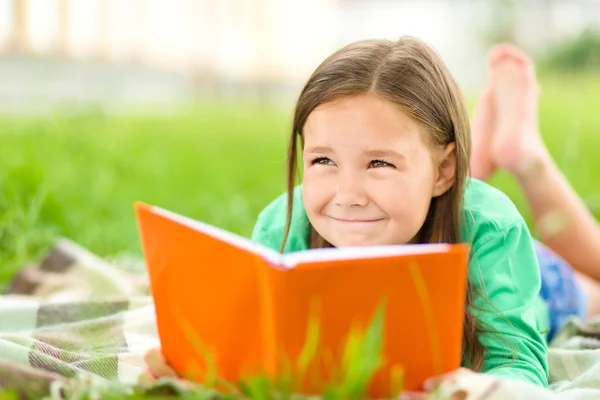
(503, 267)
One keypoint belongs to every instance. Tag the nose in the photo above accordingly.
(350, 192)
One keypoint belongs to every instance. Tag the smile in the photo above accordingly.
(356, 221)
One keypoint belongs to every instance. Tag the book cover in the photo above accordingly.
(229, 306)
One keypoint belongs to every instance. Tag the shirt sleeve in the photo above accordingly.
(505, 273)
(270, 225)
(262, 233)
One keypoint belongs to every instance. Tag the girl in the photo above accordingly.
(385, 145)
(384, 138)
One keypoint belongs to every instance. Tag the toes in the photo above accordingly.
(499, 52)
(518, 54)
(509, 73)
(506, 52)
(495, 54)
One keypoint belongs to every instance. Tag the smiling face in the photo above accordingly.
(369, 175)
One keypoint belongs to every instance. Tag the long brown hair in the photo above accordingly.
(411, 75)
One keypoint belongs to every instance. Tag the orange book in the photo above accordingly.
(224, 302)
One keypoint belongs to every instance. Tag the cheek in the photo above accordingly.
(405, 198)
(315, 191)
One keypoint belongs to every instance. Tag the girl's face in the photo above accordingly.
(369, 175)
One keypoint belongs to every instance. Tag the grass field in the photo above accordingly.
(78, 175)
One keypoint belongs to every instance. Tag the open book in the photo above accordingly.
(225, 302)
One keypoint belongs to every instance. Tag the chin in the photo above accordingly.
(366, 241)
(357, 242)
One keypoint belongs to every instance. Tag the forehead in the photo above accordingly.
(364, 117)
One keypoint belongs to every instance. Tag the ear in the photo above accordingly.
(446, 172)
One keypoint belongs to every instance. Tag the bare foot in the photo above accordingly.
(516, 145)
(482, 128)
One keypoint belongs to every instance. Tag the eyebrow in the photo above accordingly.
(318, 149)
(369, 153)
(383, 153)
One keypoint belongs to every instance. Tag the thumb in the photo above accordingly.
(146, 378)
(157, 364)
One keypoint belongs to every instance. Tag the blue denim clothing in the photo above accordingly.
(560, 289)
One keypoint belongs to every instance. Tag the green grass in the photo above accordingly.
(78, 175)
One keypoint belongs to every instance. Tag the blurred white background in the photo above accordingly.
(54, 51)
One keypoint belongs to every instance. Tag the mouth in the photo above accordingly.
(356, 221)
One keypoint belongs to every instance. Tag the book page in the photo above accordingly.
(291, 260)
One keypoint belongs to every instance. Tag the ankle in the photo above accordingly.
(537, 166)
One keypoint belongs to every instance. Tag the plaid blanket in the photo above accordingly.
(77, 326)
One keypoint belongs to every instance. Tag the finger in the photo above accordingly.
(158, 364)
(146, 377)
(459, 395)
(152, 354)
(432, 383)
(413, 396)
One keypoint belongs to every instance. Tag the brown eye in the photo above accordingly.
(322, 161)
(379, 164)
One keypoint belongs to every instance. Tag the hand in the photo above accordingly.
(431, 384)
(157, 367)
